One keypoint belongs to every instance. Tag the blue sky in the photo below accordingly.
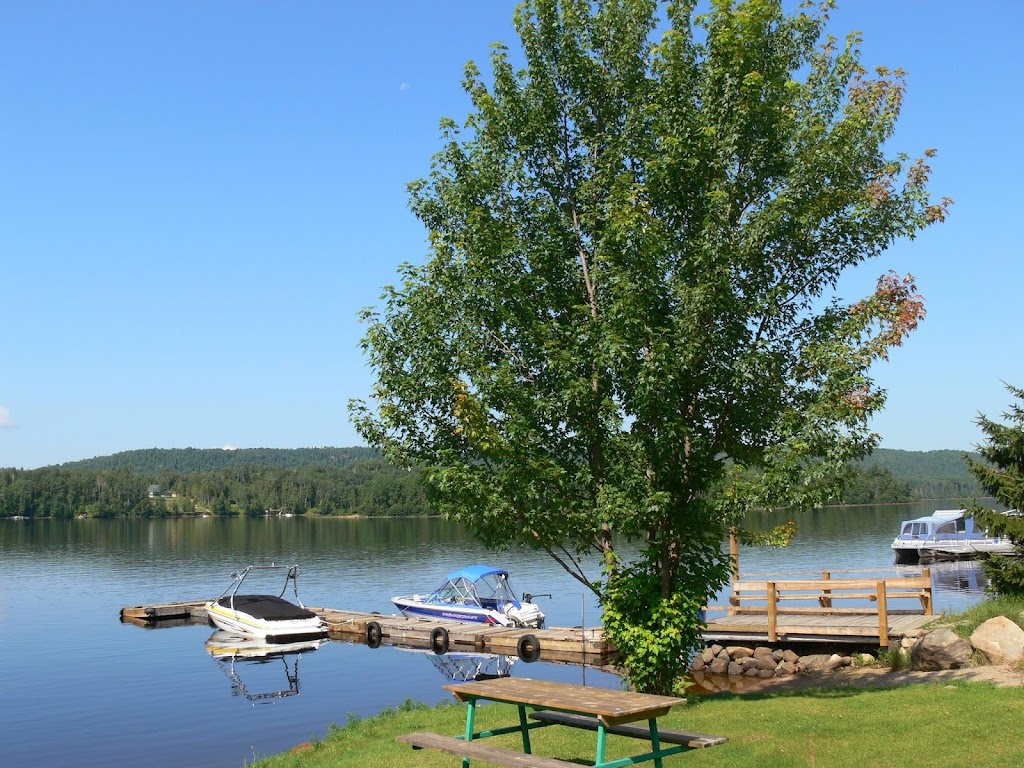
(197, 198)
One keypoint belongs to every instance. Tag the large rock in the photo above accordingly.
(940, 649)
(749, 662)
(999, 640)
(737, 652)
(815, 662)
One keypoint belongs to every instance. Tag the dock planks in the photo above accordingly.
(801, 627)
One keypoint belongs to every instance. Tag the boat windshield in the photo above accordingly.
(490, 590)
(915, 529)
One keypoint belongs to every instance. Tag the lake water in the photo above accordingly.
(81, 688)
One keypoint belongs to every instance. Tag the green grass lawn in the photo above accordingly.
(960, 724)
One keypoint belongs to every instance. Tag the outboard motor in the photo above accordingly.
(524, 615)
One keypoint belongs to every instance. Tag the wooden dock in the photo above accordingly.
(806, 610)
(569, 645)
(784, 612)
(792, 628)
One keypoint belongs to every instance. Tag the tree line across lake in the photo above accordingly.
(349, 481)
(168, 482)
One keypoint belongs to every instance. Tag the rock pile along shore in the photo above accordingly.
(997, 641)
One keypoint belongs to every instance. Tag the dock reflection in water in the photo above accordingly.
(464, 667)
(264, 662)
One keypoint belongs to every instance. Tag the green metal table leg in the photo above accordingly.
(601, 737)
(652, 725)
(525, 726)
(470, 718)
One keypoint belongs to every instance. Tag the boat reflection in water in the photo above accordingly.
(952, 577)
(464, 667)
(263, 661)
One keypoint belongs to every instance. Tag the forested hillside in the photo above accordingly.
(349, 481)
(187, 460)
(328, 481)
(892, 476)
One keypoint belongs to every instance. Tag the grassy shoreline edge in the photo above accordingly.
(949, 723)
(941, 721)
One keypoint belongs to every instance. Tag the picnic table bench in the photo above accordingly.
(599, 709)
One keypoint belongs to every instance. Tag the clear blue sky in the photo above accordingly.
(197, 198)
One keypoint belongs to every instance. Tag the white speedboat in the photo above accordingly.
(262, 615)
(478, 593)
(945, 534)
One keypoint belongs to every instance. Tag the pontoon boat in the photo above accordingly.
(946, 533)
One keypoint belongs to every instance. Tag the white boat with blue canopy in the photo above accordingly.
(477, 593)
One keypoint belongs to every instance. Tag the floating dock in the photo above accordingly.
(580, 645)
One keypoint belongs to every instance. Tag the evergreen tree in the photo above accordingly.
(1001, 474)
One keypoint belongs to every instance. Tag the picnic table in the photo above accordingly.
(599, 709)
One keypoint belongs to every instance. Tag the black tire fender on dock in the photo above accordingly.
(528, 648)
(374, 634)
(439, 640)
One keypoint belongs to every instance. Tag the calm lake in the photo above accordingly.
(81, 688)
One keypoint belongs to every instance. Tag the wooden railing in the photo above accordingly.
(780, 597)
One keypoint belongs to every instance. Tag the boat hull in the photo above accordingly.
(413, 609)
(953, 549)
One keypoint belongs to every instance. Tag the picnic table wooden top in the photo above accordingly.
(611, 707)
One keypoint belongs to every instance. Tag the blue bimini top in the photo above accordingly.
(475, 572)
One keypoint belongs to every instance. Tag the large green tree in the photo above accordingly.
(625, 329)
(1000, 471)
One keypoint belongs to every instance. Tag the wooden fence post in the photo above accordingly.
(734, 553)
(734, 561)
(928, 610)
(773, 598)
(826, 594)
(883, 615)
